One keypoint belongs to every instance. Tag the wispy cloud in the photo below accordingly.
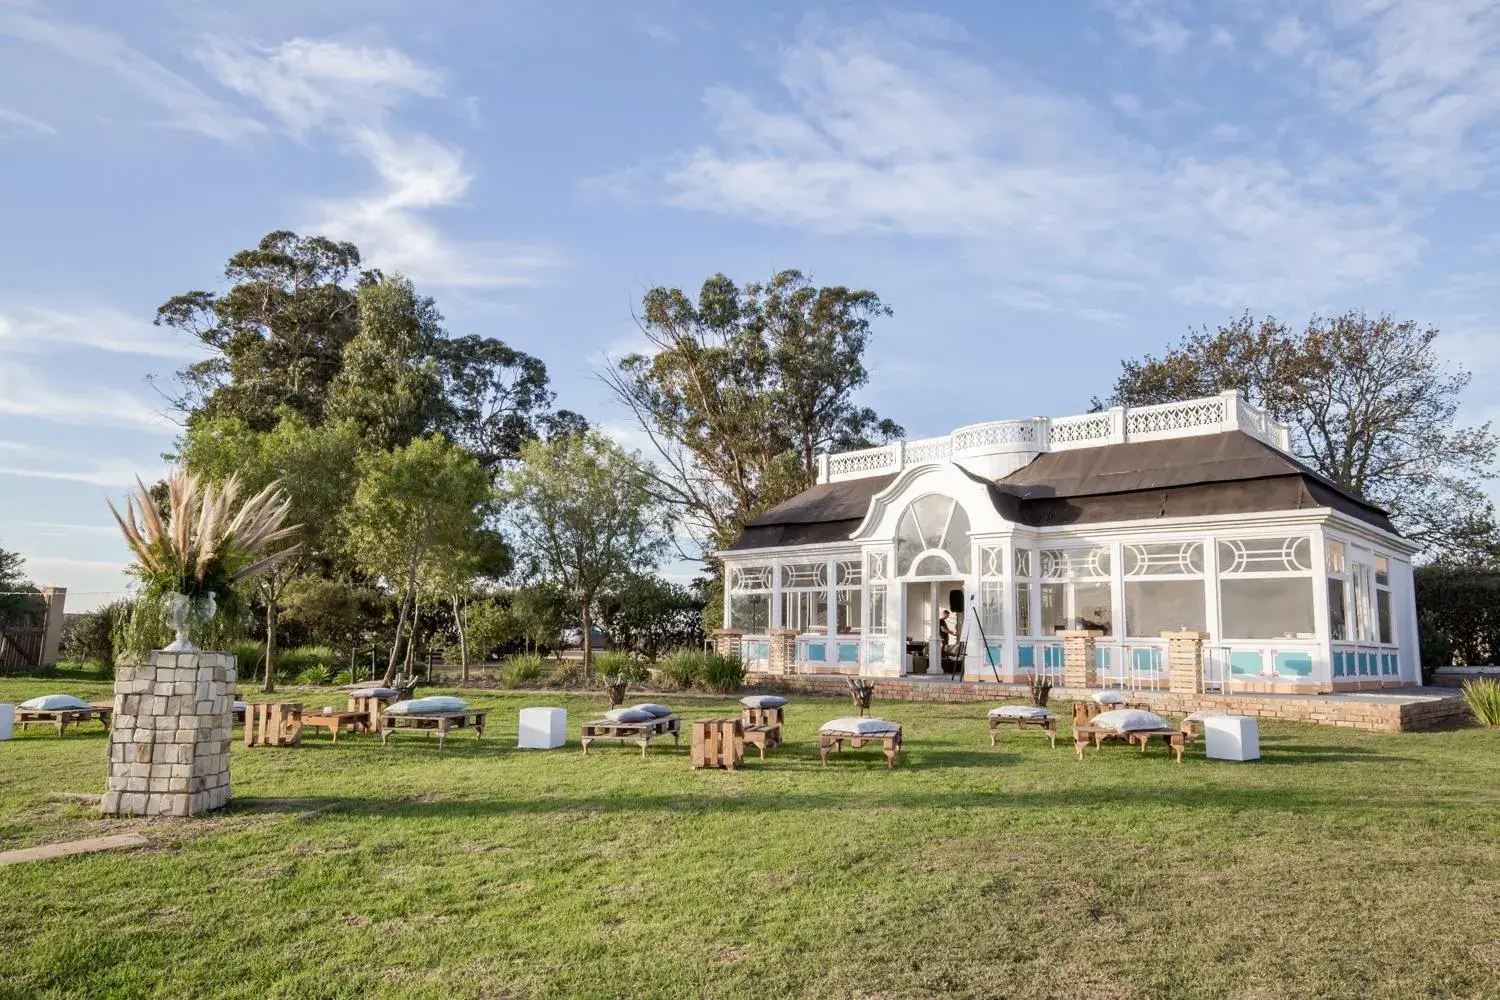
(349, 92)
(15, 123)
(185, 105)
(25, 393)
(1421, 78)
(39, 330)
(880, 132)
(1150, 24)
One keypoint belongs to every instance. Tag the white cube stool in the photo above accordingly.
(543, 728)
(7, 720)
(1231, 737)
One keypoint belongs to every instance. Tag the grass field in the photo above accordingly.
(1344, 864)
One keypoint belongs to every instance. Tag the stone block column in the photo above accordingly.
(783, 656)
(169, 740)
(55, 598)
(1080, 662)
(1185, 660)
(727, 641)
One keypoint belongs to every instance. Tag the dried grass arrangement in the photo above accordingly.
(207, 541)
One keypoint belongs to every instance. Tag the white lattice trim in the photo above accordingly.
(1166, 418)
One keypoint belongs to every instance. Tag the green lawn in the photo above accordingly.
(1344, 864)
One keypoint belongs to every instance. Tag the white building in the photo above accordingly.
(1130, 522)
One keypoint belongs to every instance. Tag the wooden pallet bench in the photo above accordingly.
(62, 718)
(763, 737)
(1083, 735)
(890, 743)
(641, 733)
(434, 722)
(1048, 726)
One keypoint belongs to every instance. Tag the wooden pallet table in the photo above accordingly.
(1047, 726)
(434, 722)
(273, 724)
(62, 718)
(890, 743)
(339, 722)
(718, 743)
(641, 733)
(1083, 735)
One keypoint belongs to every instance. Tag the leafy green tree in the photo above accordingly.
(488, 625)
(389, 386)
(647, 615)
(584, 517)
(17, 605)
(450, 576)
(741, 389)
(316, 468)
(495, 397)
(276, 337)
(541, 611)
(412, 505)
(1370, 407)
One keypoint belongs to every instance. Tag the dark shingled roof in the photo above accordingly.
(828, 512)
(1205, 474)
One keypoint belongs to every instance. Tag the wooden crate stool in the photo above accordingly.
(718, 743)
(372, 707)
(766, 717)
(273, 724)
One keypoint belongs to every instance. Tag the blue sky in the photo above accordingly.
(1037, 194)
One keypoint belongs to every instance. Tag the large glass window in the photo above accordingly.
(1075, 589)
(848, 579)
(1383, 624)
(1267, 607)
(750, 598)
(1163, 587)
(1156, 606)
(932, 524)
(804, 596)
(1266, 587)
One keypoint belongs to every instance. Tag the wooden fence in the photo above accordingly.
(20, 648)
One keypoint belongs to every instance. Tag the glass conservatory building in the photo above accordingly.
(966, 556)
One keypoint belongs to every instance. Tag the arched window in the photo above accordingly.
(932, 538)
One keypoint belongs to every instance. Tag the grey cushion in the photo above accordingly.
(860, 726)
(1021, 712)
(375, 692)
(628, 715)
(1130, 720)
(654, 710)
(53, 703)
(437, 705)
(762, 701)
(1109, 698)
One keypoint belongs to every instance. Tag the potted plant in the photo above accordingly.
(190, 555)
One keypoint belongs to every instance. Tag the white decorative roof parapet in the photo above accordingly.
(1228, 411)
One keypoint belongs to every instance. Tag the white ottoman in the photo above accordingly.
(7, 720)
(1231, 737)
(543, 728)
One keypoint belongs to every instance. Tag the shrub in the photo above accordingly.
(292, 663)
(723, 673)
(523, 668)
(685, 668)
(249, 658)
(344, 677)
(315, 676)
(91, 637)
(568, 673)
(1483, 696)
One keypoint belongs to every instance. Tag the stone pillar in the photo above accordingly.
(52, 641)
(783, 656)
(1185, 660)
(727, 641)
(169, 740)
(1080, 662)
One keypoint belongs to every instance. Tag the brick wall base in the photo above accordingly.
(1437, 708)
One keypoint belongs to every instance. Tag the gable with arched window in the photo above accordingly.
(932, 538)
